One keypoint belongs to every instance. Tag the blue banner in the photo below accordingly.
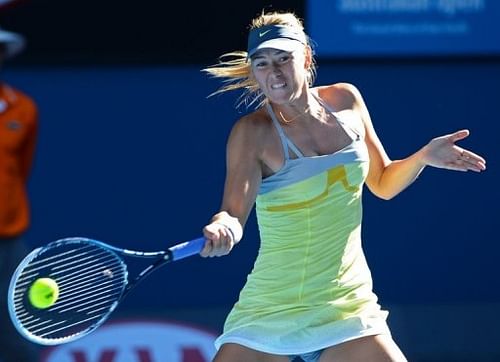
(345, 28)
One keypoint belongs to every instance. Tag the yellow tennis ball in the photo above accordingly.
(43, 293)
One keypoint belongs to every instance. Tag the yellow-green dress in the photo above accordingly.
(310, 287)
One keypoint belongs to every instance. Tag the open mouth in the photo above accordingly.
(278, 85)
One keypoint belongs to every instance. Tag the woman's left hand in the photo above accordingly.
(443, 153)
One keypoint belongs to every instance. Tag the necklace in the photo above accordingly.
(288, 121)
(306, 111)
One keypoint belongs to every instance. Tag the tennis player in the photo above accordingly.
(303, 157)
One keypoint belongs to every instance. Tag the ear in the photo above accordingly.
(307, 57)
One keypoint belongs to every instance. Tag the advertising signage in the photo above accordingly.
(352, 28)
(138, 341)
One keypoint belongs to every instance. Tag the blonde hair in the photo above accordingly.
(235, 68)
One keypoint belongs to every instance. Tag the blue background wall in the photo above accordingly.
(135, 156)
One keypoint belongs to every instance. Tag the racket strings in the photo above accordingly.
(91, 280)
(33, 270)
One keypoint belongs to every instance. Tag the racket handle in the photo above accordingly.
(188, 248)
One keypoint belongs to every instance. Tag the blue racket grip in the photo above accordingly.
(183, 250)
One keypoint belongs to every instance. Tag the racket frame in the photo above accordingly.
(176, 252)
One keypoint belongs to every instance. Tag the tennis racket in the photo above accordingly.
(92, 277)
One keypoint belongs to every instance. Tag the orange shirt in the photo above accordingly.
(18, 129)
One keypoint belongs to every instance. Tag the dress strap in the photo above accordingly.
(348, 127)
(285, 141)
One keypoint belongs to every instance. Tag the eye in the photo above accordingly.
(284, 58)
(259, 64)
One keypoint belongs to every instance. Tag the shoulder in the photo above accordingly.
(340, 95)
(18, 95)
(24, 106)
(253, 125)
(346, 99)
(20, 100)
(252, 134)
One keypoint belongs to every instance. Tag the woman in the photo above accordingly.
(302, 157)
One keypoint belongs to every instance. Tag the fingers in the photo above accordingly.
(459, 135)
(464, 160)
(468, 160)
(219, 240)
(472, 157)
(455, 166)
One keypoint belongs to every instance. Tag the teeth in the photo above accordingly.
(279, 85)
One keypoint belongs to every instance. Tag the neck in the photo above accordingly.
(299, 115)
(306, 111)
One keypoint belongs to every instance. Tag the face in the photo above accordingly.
(281, 75)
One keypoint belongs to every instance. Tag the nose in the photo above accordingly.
(276, 69)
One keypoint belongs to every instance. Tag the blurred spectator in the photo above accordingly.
(18, 128)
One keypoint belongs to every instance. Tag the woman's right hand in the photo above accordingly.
(219, 242)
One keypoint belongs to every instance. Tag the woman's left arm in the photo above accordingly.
(387, 178)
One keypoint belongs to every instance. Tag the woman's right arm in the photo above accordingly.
(243, 178)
